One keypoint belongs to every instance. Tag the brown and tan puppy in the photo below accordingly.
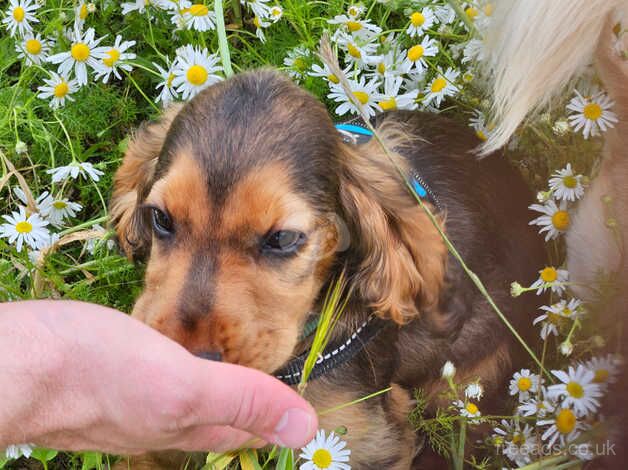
(235, 200)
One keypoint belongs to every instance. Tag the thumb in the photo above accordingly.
(253, 401)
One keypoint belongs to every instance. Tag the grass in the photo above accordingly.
(95, 128)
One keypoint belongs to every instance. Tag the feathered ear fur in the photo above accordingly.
(131, 183)
(535, 47)
(398, 255)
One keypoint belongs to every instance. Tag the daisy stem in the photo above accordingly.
(237, 12)
(459, 455)
(462, 15)
(223, 45)
(331, 60)
(151, 102)
(79, 227)
(354, 402)
(67, 136)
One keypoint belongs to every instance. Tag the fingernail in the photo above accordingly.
(293, 428)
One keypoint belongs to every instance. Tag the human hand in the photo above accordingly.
(80, 376)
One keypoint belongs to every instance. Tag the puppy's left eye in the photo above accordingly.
(162, 223)
(283, 242)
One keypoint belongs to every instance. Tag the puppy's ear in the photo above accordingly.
(132, 180)
(399, 256)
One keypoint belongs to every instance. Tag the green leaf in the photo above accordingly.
(91, 460)
(248, 460)
(217, 461)
(44, 455)
(286, 459)
(3, 461)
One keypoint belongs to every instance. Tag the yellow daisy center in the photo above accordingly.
(353, 11)
(488, 9)
(560, 220)
(275, 12)
(170, 80)
(300, 64)
(387, 105)
(467, 77)
(257, 22)
(322, 458)
(565, 421)
(18, 14)
(481, 135)
(518, 439)
(549, 274)
(114, 56)
(354, 51)
(354, 26)
(575, 389)
(80, 51)
(524, 384)
(570, 181)
(361, 96)
(199, 10)
(601, 376)
(61, 89)
(332, 78)
(471, 408)
(24, 227)
(83, 11)
(555, 318)
(381, 68)
(417, 18)
(33, 46)
(471, 12)
(592, 111)
(197, 75)
(415, 53)
(438, 84)
(59, 205)
(567, 311)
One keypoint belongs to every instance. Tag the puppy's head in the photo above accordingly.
(235, 199)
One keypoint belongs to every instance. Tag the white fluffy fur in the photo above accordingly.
(536, 47)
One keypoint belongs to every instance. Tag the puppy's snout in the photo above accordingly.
(210, 355)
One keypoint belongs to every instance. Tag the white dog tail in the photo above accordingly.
(535, 48)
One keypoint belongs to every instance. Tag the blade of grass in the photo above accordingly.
(223, 45)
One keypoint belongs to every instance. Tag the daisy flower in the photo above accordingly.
(363, 91)
(468, 410)
(591, 113)
(297, 61)
(442, 85)
(113, 60)
(325, 453)
(565, 185)
(73, 170)
(199, 18)
(19, 15)
(59, 88)
(81, 12)
(358, 51)
(474, 391)
(389, 63)
(355, 11)
(194, 71)
(391, 99)
(474, 51)
(551, 278)
(324, 72)
(539, 407)
(22, 228)
(55, 210)
(168, 93)
(478, 123)
(16, 451)
(260, 24)
(420, 21)
(524, 383)
(84, 51)
(33, 49)
(448, 370)
(258, 7)
(549, 322)
(562, 308)
(445, 14)
(35, 255)
(276, 12)
(605, 369)
(177, 14)
(360, 28)
(137, 5)
(564, 427)
(577, 390)
(517, 444)
(555, 219)
(415, 56)
(93, 243)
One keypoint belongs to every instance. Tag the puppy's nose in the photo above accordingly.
(210, 355)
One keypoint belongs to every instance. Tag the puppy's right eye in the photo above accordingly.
(162, 224)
